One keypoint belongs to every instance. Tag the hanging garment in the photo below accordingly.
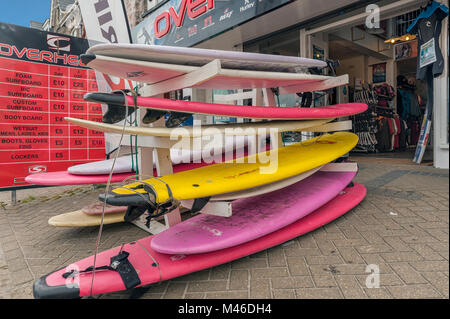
(415, 108)
(398, 130)
(428, 26)
(415, 132)
(383, 135)
(393, 132)
(405, 98)
(400, 106)
(402, 137)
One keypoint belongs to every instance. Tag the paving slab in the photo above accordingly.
(401, 229)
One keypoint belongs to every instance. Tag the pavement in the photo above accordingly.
(400, 229)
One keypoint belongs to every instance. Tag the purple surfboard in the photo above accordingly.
(252, 218)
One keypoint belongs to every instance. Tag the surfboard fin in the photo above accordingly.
(116, 113)
(176, 119)
(152, 116)
(133, 212)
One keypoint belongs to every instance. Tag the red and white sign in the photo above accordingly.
(35, 96)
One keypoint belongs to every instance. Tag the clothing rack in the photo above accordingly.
(380, 128)
(364, 124)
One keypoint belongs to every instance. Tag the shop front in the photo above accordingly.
(370, 39)
(385, 64)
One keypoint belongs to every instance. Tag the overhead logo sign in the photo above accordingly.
(193, 9)
(57, 42)
(188, 22)
(37, 169)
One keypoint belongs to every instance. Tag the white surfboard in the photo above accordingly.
(165, 77)
(124, 164)
(199, 57)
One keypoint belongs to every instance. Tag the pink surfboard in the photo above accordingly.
(65, 178)
(97, 209)
(256, 112)
(254, 217)
(153, 267)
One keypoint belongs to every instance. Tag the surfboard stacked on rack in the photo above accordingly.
(124, 167)
(271, 204)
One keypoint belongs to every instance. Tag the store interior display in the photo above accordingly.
(399, 94)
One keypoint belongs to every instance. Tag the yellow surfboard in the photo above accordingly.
(252, 171)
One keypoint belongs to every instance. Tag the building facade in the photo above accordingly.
(357, 33)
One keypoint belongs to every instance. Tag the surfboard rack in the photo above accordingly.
(159, 147)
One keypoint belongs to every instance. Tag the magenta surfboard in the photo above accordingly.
(153, 267)
(253, 218)
(65, 178)
(256, 112)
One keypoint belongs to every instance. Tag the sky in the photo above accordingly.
(20, 12)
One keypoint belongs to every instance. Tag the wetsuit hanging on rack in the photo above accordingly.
(428, 27)
(431, 62)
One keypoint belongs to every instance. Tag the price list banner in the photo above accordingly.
(42, 80)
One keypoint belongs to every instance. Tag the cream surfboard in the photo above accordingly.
(80, 219)
(238, 129)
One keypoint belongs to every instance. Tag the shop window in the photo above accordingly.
(287, 43)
